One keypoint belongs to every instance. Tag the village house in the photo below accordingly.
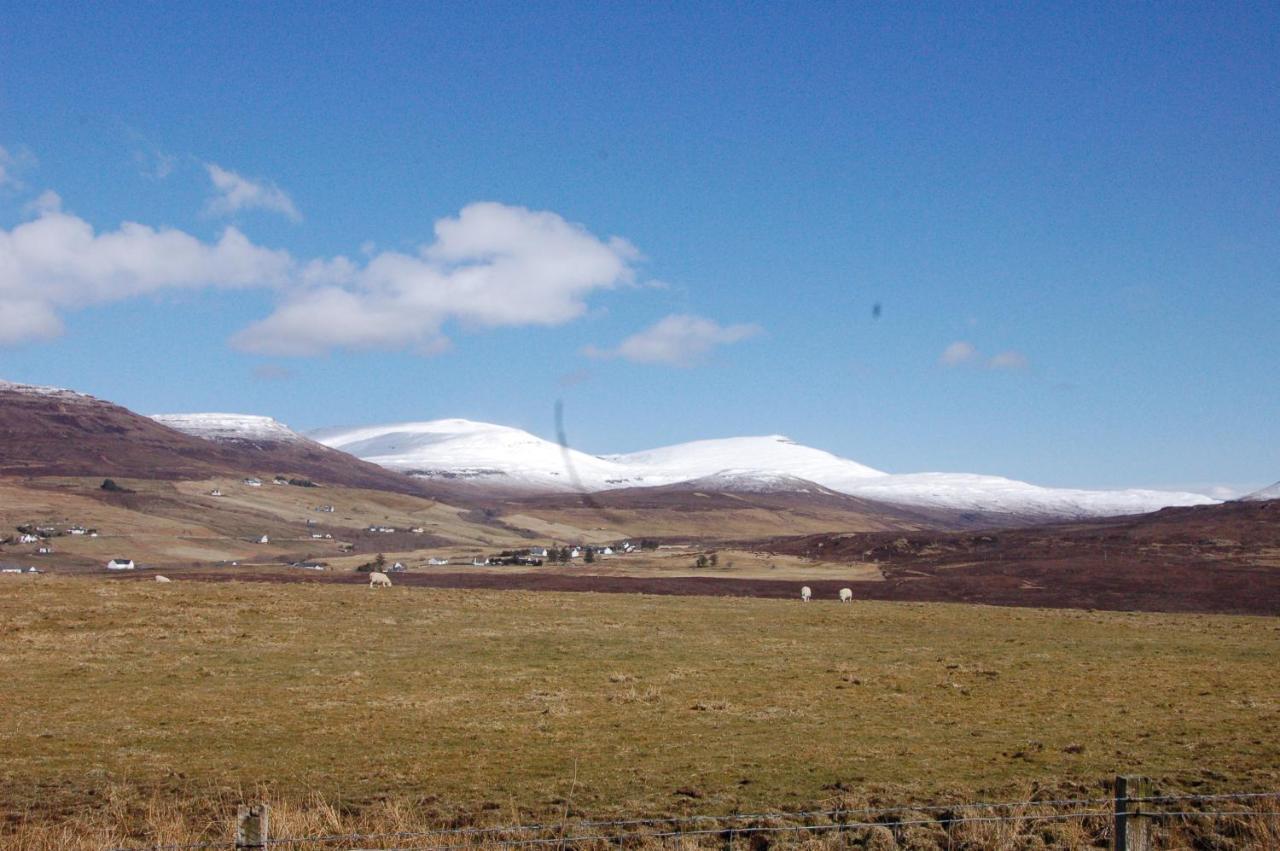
(44, 551)
(436, 562)
(27, 538)
(215, 492)
(253, 483)
(120, 563)
(264, 540)
(77, 530)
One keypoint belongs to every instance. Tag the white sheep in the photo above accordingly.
(846, 595)
(805, 593)
(379, 580)
(162, 579)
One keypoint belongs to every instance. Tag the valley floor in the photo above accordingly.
(124, 698)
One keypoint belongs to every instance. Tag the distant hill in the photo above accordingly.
(1272, 492)
(50, 431)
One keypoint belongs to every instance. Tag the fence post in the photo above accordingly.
(251, 826)
(1132, 828)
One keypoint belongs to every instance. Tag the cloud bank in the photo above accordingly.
(677, 340)
(492, 265)
(58, 262)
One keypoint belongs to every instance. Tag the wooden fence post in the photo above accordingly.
(1133, 822)
(251, 827)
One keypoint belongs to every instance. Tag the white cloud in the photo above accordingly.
(1008, 360)
(12, 164)
(491, 265)
(677, 340)
(236, 193)
(957, 353)
(963, 352)
(58, 262)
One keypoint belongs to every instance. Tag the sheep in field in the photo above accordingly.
(162, 579)
(846, 595)
(379, 580)
(805, 593)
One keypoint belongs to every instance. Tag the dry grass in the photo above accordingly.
(144, 712)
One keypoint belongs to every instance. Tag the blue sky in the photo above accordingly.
(1069, 215)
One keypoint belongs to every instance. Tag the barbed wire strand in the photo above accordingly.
(740, 817)
(731, 817)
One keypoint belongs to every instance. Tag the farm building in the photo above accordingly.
(120, 563)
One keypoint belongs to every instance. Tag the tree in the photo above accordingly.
(701, 562)
(590, 556)
(714, 560)
(563, 555)
(380, 561)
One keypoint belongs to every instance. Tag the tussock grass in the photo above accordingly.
(135, 712)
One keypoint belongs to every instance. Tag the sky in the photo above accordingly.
(1032, 240)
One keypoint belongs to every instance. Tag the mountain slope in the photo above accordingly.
(1272, 492)
(48, 431)
(506, 458)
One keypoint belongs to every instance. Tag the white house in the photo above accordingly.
(120, 564)
(437, 561)
(479, 561)
(576, 552)
(397, 568)
(27, 538)
(538, 552)
(264, 540)
(215, 492)
(317, 536)
(77, 530)
(417, 530)
(607, 551)
(44, 551)
(253, 483)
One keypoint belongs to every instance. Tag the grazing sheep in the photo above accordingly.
(162, 579)
(846, 595)
(379, 580)
(805, 593)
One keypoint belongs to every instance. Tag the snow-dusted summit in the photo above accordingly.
(42, 390)
(511, 458)
(224, 428)
(1272, 492)
(480, 452)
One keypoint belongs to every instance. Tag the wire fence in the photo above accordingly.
(1120, 815)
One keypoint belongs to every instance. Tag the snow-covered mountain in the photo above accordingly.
(510, 458)
(247, 428)
(479, 452)
(1272, 492)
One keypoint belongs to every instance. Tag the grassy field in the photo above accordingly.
(523, 705)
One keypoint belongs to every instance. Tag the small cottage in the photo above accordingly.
(120, 563)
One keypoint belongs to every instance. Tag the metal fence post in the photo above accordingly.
(251, 826)
(1133, 824)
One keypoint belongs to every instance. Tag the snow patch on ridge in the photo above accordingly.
(222, 428)
(42, 390)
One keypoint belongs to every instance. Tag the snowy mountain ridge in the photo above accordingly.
(511, 458)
